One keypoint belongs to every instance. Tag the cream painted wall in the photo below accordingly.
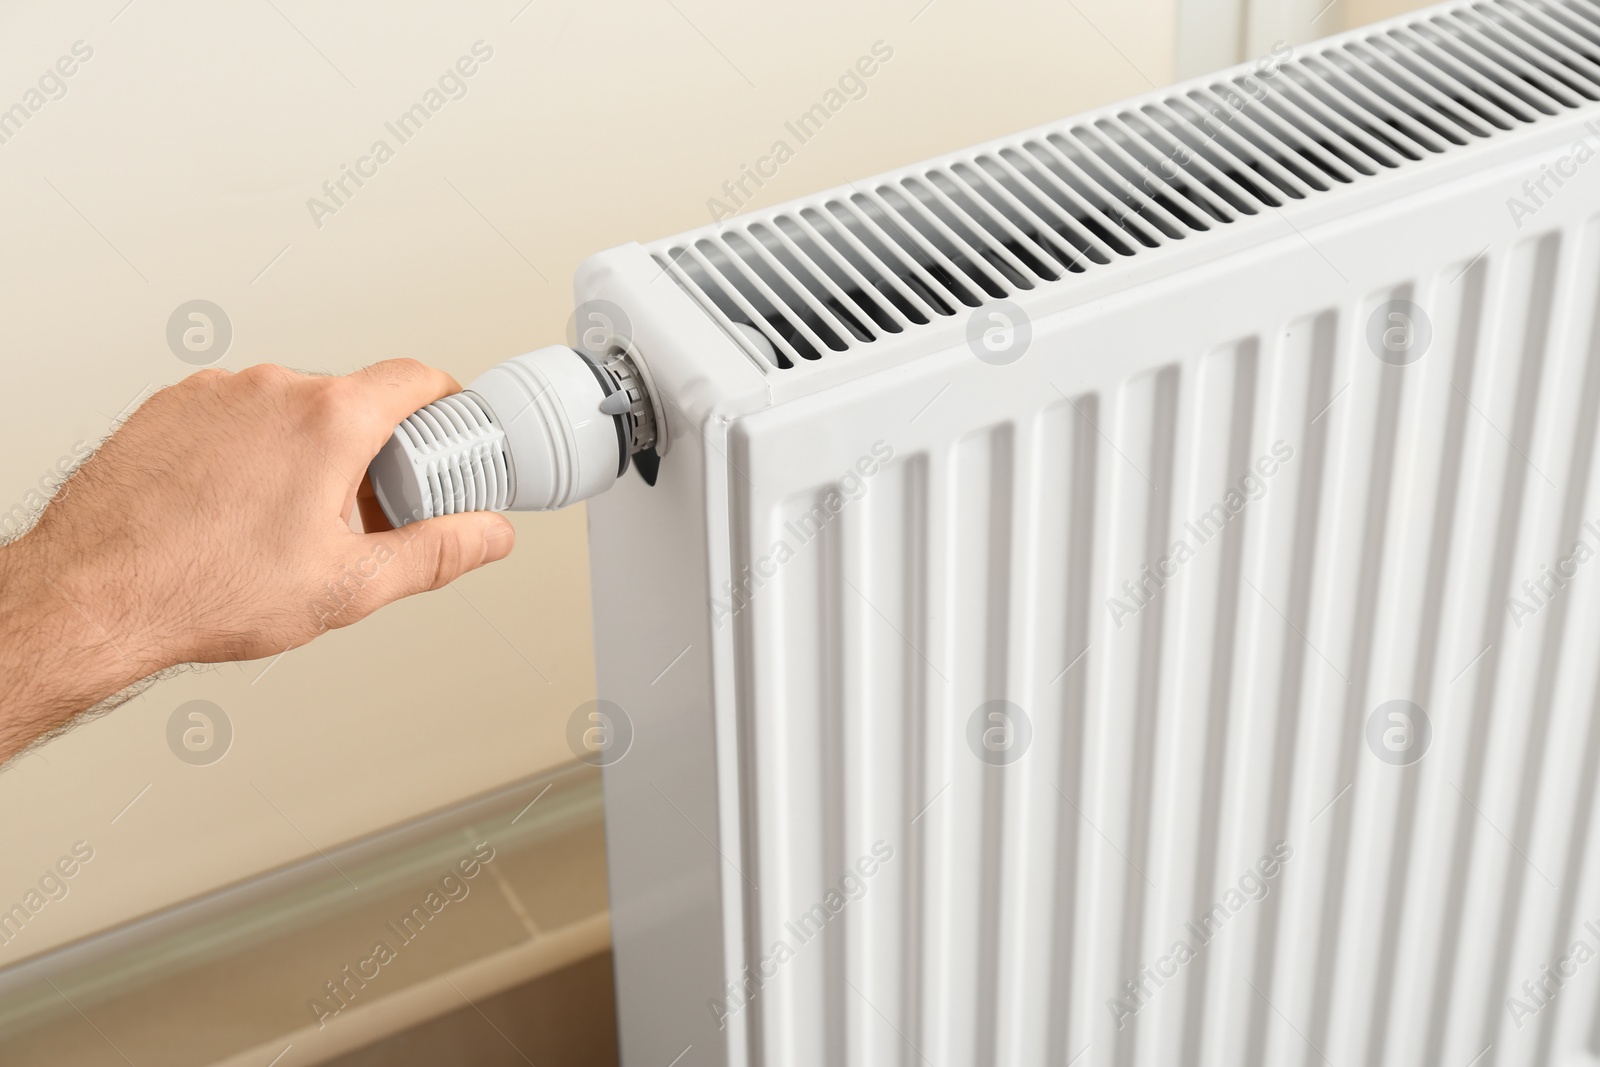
(178, 165)
(1360, 12)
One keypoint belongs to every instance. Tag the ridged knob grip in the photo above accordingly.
(528, 435)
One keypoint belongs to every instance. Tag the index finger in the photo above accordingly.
(397, 387)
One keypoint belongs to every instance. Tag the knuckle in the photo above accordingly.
(447, 559)
(416, 566)
(322, 402)
(266, 375)
(434, 562)
(180, 393)
(405, 367)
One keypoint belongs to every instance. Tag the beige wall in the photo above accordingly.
(1361, 12)
(178, 165)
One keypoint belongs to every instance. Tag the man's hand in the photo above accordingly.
(215, 525)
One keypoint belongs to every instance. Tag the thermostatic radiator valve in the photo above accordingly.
(538, 432)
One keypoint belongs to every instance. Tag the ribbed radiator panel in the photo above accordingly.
(1198, 585)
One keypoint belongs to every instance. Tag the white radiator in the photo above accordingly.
(1126, 593)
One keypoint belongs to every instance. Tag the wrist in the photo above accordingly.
(65, 642)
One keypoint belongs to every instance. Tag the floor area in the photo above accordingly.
(567, 1017)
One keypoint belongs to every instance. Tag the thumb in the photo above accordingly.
(433, 553)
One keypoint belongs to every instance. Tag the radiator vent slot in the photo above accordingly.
(890, 254)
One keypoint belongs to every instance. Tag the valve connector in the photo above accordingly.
(535, 433)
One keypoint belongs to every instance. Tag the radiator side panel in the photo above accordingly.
(658, 564)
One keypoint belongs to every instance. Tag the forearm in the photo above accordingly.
(56, 658)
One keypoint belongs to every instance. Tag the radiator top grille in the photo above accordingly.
(795, 283)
